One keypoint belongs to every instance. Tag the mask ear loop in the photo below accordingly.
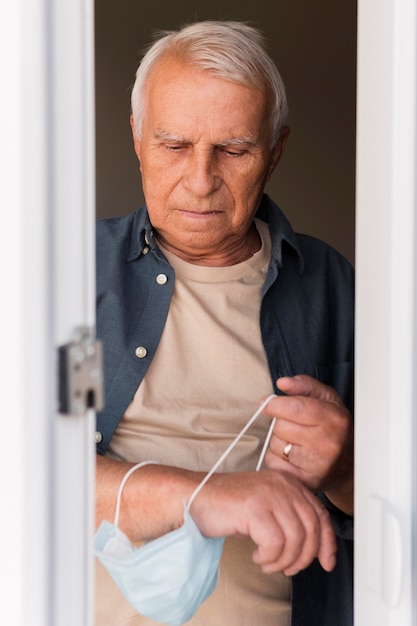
(232, 445)
(122, 484)
(266, 443)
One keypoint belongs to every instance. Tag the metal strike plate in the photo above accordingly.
(81, 373)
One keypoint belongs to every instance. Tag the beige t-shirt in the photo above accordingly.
(204, 383)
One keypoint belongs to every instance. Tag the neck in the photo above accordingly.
(231, 255)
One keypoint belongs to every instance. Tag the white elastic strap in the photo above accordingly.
(232, 445)
(266, 444)
(122, 484)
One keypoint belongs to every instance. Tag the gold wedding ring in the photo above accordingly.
(286, 452)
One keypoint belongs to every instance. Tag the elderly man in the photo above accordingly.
(208, 303)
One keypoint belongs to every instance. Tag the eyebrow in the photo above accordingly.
(238, 141)
(165, 135)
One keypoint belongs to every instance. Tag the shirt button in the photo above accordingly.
(161, 279)
(145, 250)
(141, 352)
(99, 437)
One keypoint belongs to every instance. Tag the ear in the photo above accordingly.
(136, 141)
(278, 149)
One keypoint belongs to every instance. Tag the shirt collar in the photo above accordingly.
(281, 231)
(142, 238)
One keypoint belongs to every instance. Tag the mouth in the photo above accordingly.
(199, 214)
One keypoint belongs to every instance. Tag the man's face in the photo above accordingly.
(205, 157)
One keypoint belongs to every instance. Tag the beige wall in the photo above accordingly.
(314, 46)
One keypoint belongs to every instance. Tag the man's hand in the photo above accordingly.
(312, 417)
(289, 525)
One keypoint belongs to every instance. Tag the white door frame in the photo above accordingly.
(386, 320)
(47, 276)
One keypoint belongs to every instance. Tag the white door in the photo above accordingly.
(386, 345)
(47, 284)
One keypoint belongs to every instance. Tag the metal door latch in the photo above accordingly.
(81, 373)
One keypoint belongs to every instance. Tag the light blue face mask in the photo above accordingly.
(167, 578)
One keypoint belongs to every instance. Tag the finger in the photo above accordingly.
(282, 454)
(279, 532)
(304, 385)
(302, 532)
(299, 550)
(311, 545)
(299, 449)
(327, 542)
(278, 556)
(307, 471)
(321, 541)
(295, 409)
(295, 432)
(306, 411)
(269, 539)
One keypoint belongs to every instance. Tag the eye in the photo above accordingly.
(233, 153)
(175, 147)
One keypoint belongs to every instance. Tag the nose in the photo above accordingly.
(202, 177)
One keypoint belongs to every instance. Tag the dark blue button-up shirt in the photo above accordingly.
(307, 316)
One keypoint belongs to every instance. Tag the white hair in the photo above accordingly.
(231, 50)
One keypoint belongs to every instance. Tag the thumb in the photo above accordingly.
(303, 385)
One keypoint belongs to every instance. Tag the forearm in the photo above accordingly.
(152, 499)
(285, 520)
